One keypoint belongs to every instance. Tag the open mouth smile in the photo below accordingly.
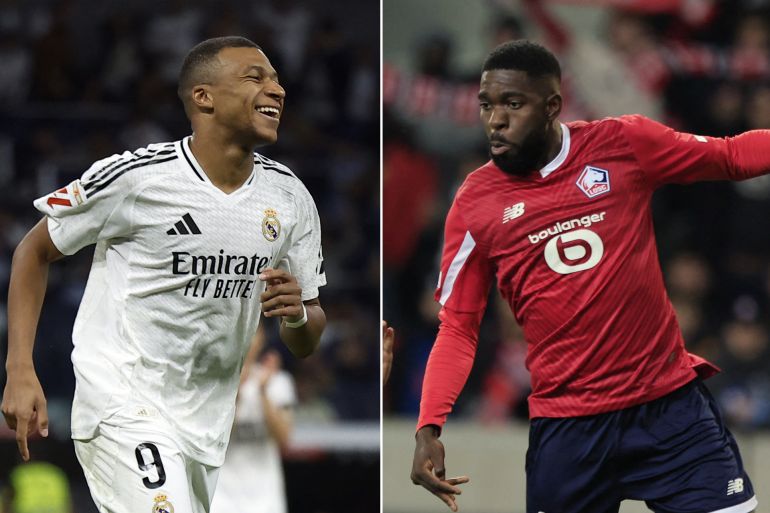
(271, 112)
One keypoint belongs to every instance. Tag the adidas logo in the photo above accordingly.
(185, 226)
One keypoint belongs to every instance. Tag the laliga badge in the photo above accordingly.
(271, 227)
(162, 505)
(594, 181)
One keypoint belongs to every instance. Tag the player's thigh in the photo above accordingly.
(569, 466)
(129, 471)
(683, 459)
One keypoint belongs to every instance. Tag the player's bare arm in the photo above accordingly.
(24, 405)
(428, 468)
(302, 321)
(278, 420)
(388, 339)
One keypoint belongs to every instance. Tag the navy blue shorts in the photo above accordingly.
(674, 453)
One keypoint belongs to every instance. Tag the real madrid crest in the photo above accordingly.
(162, 505)
(271, 227)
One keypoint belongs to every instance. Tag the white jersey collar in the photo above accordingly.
(561, 156)
(200, 174)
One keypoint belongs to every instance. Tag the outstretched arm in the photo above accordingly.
(667, 156)
(24, 405)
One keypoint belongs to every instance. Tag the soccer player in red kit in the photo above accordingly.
(560, 218)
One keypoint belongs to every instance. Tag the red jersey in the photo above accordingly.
(572, 250)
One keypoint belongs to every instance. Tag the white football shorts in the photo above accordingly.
(132, 467)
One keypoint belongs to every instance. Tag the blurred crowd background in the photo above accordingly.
(701, 66)
(83, 79)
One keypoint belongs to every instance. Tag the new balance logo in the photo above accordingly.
(185, 226)
(512, 212)
(735, 486)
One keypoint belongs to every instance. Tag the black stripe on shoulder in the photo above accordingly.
(278, 170)
(272, 165)
(125, 170)
(116, 167)
(132, 157)
(262, 158)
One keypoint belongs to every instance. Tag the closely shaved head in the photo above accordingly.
(520, 101)
(201, 63)
(532, 58)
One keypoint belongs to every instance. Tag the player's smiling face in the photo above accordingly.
(514, 110)
(247, 96)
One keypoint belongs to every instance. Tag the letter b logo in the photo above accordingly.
(574, 251)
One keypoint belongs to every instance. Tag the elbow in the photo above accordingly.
(23, 251)
(303, 350)
(37, 247)
(283, 441)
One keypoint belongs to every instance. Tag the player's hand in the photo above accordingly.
(24, 407)
(270, 364)
(388, 336)
(428, 468)
(283, 295)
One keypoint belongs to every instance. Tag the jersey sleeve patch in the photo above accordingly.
(72, 195)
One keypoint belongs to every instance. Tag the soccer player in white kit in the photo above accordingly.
(251, 478)
(194, 239)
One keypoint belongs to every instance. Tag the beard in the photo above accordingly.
(530, 157)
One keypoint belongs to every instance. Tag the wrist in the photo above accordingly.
(19, 367)
(297, 322)
(428, 431)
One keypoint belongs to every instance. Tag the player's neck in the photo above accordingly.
(227, 164)
(554, 141)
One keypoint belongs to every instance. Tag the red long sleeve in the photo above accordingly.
(749, 154)
(449, 365)
(463, 288)
(667, 156)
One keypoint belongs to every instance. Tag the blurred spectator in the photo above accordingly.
(743, 390)
(55, 72)
(17, 67)
(252, 476)
(287, 17)
(170, 34)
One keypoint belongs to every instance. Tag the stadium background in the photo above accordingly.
(701, 66)
(83, 79)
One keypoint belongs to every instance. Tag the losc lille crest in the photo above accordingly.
(594, 181)
(162, 505)
(271, 227)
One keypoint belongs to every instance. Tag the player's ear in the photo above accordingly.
(202, 97)
(553, 106)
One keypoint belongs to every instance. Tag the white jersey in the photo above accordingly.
(172, 299)
(252, 477)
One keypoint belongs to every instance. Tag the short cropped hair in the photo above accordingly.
(198, 65)
(522, 55)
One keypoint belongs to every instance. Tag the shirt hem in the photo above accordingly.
(545, 407)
